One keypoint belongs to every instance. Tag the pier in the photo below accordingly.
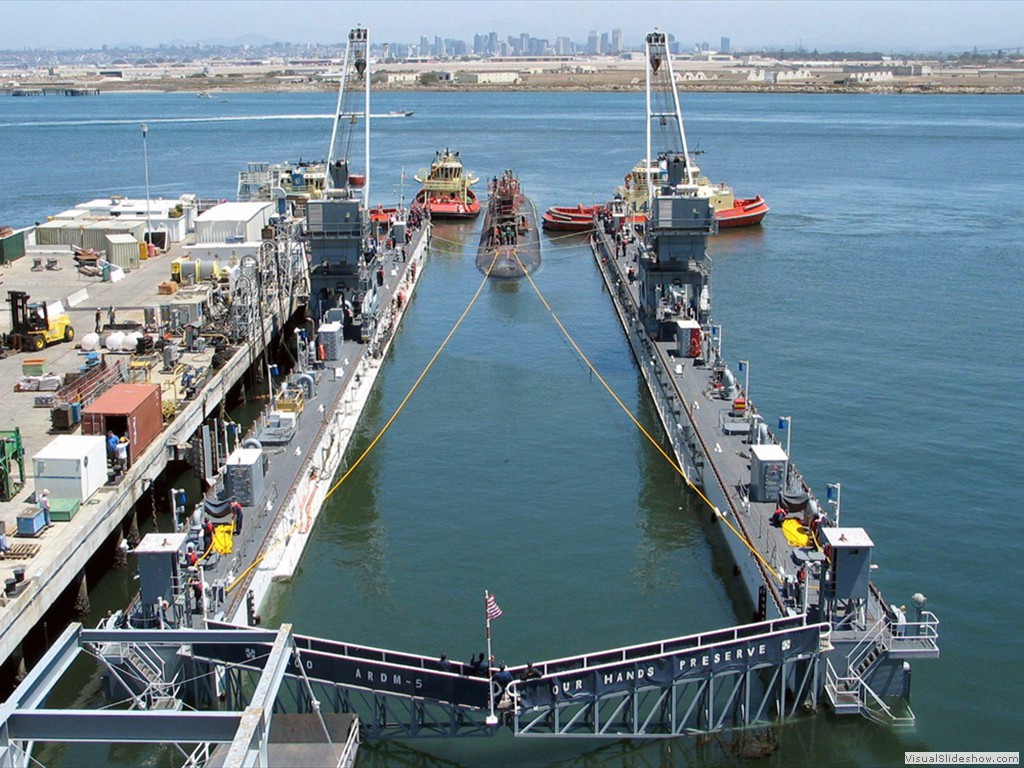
(59, 555)
(194, 389)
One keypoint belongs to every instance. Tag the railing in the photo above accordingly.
(866, 644)
(920, 636)
(348, 752)
(200, 756)
(869, 704)
(667, 647)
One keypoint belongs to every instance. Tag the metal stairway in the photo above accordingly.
(851, 694)
(138, 664)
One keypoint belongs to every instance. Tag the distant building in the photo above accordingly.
(724, 47)
(489, 78)
(396, 78)
(616, 42)
(593, 42)
(606, 43)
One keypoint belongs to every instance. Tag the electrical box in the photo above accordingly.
(768, 465)
(244, 476)
(159, 559)
(331, 336)
(71, 466)
(851, 561)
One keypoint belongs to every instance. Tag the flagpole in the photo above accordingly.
(491, 719)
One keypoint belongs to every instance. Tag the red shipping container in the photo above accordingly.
(132, 410)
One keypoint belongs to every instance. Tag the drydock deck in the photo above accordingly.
(714, 443)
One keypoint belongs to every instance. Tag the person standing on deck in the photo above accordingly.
(236, 512)
(111, 446)
(44, 505)
(122, 454)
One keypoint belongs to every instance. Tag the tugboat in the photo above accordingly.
(446, 193)
(729, 211)
(510, 242)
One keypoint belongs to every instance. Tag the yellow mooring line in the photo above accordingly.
(672, 462)
(384, 429)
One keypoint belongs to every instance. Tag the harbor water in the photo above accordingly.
(877, 307)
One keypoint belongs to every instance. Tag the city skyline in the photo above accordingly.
(881, 25)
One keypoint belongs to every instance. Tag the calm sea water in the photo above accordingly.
(879, 307)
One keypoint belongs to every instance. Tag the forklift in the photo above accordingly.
(32, 327)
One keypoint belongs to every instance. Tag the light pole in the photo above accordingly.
(145, 163)
(835, 497)
(745, 367)
(786, 423)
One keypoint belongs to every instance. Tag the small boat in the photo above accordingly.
(578, 218)
(510, 241)
(745, 212)
(446, 192)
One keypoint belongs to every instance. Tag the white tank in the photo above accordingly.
(90, 341)
(115, 340)
(131, 340)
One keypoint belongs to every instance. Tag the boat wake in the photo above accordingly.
(158, 120)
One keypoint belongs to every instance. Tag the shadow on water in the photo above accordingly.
(449, 239)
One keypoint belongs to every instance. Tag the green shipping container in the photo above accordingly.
(12, 247)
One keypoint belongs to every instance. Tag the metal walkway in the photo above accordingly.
(197, 689)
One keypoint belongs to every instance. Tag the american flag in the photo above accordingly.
(493, 610)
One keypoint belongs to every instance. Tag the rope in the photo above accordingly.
(418, 381)
(384, 429)
(672, 462)
(573, 245)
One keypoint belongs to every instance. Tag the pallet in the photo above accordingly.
(21, 552)
(17, 550)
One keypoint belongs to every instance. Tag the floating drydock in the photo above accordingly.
(789, 555)
(280, 487)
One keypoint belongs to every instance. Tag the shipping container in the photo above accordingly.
(122, 250)
(233, 222)
(12, 247)
(71, 467)
(73, 213)
(60, 232)
(95, 235)
(132, 410)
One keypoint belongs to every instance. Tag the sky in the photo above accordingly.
(864, 25)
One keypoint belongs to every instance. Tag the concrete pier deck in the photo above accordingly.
(62, 552)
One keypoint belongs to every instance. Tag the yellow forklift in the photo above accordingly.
(32, 327)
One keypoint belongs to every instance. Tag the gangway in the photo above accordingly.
(233, 682)
(744, 676)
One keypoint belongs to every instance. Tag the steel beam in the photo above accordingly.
(44, 675)
(254, 727)
(180, 636)
(123, 726)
